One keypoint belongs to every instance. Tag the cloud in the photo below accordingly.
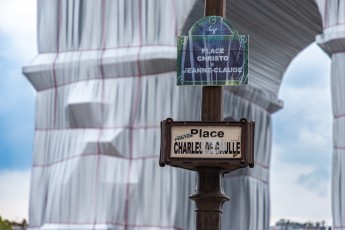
(304, 126)
(18, 16)
(14, 192)
(303, 129)
(18, 29)
(292, 200)
(316, 181)
(16, 116)
(313, 66)
(17, 46)
(302, 142)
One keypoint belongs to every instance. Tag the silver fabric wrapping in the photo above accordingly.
(338, 175)
(332, 40)
(105, 78)
(248, 189)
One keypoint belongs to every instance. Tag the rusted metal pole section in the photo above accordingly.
(209, 195)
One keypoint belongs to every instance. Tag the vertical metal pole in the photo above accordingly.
(212, 96)
(209, 195)
(215, 8)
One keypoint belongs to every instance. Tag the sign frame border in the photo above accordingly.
(227, 164)
(234, 36)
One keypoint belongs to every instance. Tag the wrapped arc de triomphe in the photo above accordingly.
(332, 41)
(105, 77)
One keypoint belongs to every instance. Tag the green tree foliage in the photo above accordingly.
(5, 224)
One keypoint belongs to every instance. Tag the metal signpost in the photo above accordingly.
(212, 55)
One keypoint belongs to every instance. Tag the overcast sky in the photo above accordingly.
(302, 141)
(302, 131)
(17, 96)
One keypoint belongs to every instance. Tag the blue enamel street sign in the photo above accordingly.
(213, 53)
